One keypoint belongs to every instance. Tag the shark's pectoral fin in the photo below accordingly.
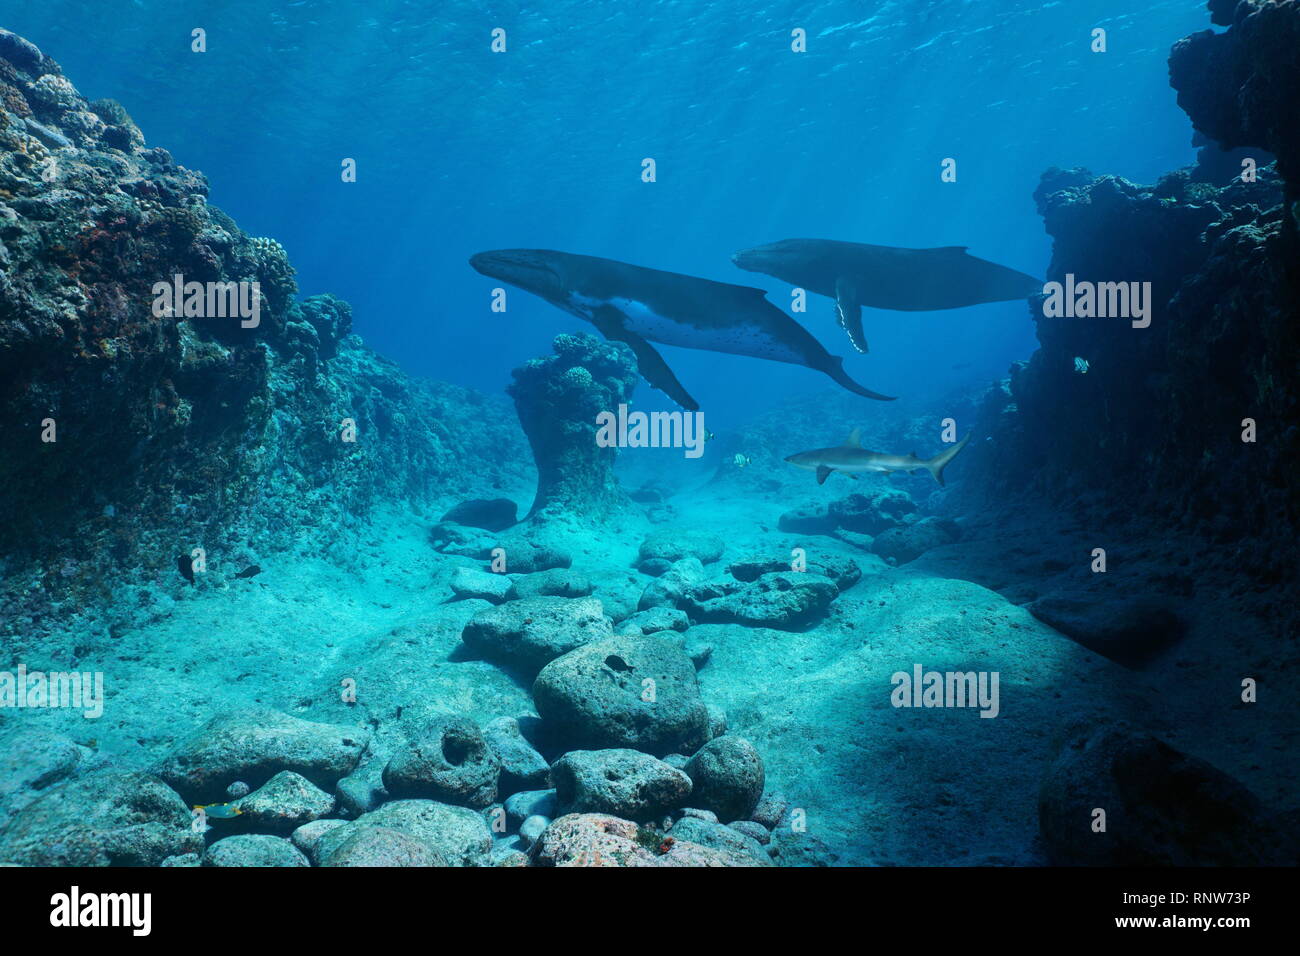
(848, 309)
(653, 368)
(822, 474)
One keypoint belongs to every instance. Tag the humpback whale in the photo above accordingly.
(852, 459)
(886, 277)
(637, 306)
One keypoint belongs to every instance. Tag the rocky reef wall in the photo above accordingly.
(1153, 423)
(130, 438)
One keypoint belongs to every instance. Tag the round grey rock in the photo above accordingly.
(727, 776)
(447, 760)
(622, 691)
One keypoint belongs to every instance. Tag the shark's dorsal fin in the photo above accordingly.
(610, 322)
(855, 439)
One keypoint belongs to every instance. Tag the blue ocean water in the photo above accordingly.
(459, 149)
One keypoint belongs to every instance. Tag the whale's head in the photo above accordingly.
(771, 259)
(538, 271)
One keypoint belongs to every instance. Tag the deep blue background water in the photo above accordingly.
(460, 149)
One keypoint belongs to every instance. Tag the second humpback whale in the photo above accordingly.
(637, 306)
(886, 277)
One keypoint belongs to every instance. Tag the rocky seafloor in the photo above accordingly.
(633, 674)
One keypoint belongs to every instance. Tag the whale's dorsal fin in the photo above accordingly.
(610, 322)
(855, 439)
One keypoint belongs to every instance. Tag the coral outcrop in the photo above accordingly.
(558, 398)
(131, 434)
(1162, 418)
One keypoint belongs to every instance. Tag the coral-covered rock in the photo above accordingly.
(558, 398)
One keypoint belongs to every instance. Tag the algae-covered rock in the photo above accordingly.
(663, 548)
(555, 582)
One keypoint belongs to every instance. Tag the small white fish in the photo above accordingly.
(1081, 365)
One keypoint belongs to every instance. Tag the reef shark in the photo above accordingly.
(852, 459)
(636, 306)
(886, 277)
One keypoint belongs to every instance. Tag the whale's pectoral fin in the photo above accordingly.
(822, 474)
(610, 321)
(848, 309)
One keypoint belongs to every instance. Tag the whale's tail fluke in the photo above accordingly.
(836, 371)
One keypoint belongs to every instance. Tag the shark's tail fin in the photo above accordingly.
(836, 371)
(939, 462)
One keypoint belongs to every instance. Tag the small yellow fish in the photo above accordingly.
(741, 460)
(220, 811)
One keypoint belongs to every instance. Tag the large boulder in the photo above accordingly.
(1162, 808)
(1132, 631)
(626, 783)
(530, 633)
(254, 744)
(727, 777)
(106, 818)
(446, 759)
(622, 691)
